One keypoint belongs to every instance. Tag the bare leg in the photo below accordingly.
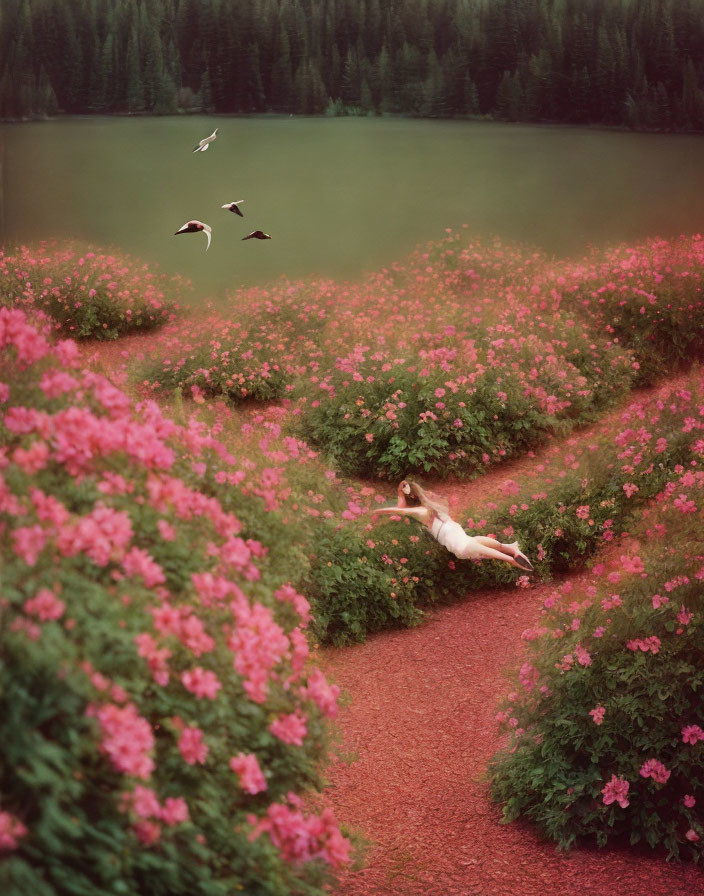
(496, 545)
(508, 550)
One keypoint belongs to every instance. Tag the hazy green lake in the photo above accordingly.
(338, 196)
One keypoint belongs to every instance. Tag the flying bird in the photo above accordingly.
(196, 227)
(256, 235)
(234, 207)
(206, 141)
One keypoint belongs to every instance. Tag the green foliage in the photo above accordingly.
(351, 594)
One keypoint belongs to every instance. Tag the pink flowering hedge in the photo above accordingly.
(461, 356)
(254, 353)
(373, 575)
(87, 294)
(470, 353)
(159, 713)
(605, 722)
(650, 298)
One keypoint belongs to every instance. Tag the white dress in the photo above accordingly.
(452, 536)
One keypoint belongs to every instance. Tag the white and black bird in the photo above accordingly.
(196, 227)
(256, 235)
(206, 141)
(234, 207)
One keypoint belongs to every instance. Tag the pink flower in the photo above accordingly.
(301, 839)
(615, 791)
(45, 605)
(192, 747)
(689, 801)
(103, 535)
(300, 604)
(684, 616)
(11, 829)
(246, 767)
(144, 802)
(692, 835)
(651, 644)
(201, 682)
(653, 768)
(583, 656)
(258, 643)
(29, 542)
(156, 657)
(148, 832)
(691, 734)
(583, 512)
(630, 488)
(597, 714)
(174, 810)
(291, 729)
(369, 436)
(138, 562)
(166, 530)
(127, 739)
(528, 676)
(33, 459)
(323, 694)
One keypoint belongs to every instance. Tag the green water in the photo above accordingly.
(338, 196)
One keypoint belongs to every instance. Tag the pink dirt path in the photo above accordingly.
(421, 722)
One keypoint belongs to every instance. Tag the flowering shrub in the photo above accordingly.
(650, 298)
(477, 378)
(605, 721)
(562, 514)
(464, 355)
(87, 295)
(253, 355)
(158, 710)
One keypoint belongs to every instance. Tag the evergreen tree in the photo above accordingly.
(625, 62)
(134, 95)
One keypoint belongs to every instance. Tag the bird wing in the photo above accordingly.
(249, 236)
(207, 233)
(237, 210)
(203, 148)
(197, 149)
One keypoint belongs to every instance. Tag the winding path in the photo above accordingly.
(421, 729)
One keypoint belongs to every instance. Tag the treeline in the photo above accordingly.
(638, 63)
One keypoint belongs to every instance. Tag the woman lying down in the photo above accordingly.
(433, 512)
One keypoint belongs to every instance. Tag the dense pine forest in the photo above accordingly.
(633, 63)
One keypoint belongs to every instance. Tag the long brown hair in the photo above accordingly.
(436, 503)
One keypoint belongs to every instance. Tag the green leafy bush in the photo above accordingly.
(350, 594)
(605, 722)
